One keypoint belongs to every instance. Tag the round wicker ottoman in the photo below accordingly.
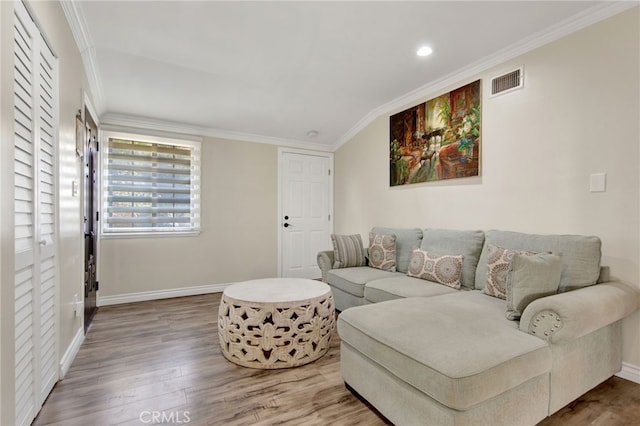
(276, 322)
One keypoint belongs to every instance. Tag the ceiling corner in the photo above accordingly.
(591, 16)
(77, 23)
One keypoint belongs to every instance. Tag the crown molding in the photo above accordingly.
(555, 32)
(114, 120)
(78, 25)
(75, 18)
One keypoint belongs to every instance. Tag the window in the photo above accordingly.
(151, 185)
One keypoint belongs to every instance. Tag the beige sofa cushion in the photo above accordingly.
(402, 286)
(456, 242)
(459, 349)
(580, 255)
(352, 280)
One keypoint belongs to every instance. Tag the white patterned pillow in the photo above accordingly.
(497, 269)
(348, 251)
(441, 269)
(382, 251)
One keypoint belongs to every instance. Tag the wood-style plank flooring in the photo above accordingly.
(162, 359)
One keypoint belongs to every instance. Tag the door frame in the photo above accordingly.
(87, 106)
(279, 222)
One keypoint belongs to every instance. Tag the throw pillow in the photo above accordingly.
(497, 268)
(348, 251)
(382, 252)
(441, 269)
(529, 278)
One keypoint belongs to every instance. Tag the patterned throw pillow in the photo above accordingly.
(497, 268)
(382, 252)
(348, 251)
(441, 269)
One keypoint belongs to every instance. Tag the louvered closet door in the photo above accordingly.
(46, 223)
(35, 130)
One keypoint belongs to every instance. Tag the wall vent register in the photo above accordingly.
(507, 82)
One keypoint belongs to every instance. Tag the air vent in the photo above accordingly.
(507, 82)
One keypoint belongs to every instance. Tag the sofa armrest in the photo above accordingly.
(569, 315)
(325, 262)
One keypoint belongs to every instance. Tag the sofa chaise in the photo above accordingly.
(440, 351)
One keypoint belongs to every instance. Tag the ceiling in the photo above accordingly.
(273, 71)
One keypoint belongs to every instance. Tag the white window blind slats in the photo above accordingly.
(150, 187)
(150, 179)
(148, 147)
(116, 188)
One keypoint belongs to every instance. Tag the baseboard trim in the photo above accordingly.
(71, 352)
(159, 294)
(629, 372)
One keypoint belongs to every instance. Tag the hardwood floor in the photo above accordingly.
(160, 361)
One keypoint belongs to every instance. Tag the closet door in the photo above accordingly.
(46, 222)
(35, 142)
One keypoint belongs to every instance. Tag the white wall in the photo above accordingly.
(577, 114)
(239, 230)
(72, 81)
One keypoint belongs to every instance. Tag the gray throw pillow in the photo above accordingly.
(531, 277)
(348, 251)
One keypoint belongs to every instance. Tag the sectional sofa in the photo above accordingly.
(447, 351)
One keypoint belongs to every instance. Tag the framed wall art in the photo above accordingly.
(438, 139)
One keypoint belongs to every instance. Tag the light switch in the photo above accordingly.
(598, 182)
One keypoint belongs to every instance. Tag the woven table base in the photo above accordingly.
(269, 335)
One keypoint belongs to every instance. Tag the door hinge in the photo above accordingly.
(97, 216)
(329, 218)
(97, 146)
(329, 172)
(97, 285)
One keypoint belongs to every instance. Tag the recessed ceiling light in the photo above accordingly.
(312, 133)
(424, 51)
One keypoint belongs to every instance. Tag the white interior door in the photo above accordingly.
(306, 216)
(35, 223)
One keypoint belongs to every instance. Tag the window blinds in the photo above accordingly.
(151, 187)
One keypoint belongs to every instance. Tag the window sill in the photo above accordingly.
(140, 235)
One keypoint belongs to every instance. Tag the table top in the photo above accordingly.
(276, 290)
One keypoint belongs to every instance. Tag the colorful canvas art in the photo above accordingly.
(438, 139)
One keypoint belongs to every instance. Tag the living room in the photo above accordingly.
(577, 115)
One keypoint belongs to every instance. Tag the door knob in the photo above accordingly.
(286, 218)
(286, 225)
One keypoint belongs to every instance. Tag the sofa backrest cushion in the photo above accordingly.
(580, 255)
(406, 240)
(455, 242)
